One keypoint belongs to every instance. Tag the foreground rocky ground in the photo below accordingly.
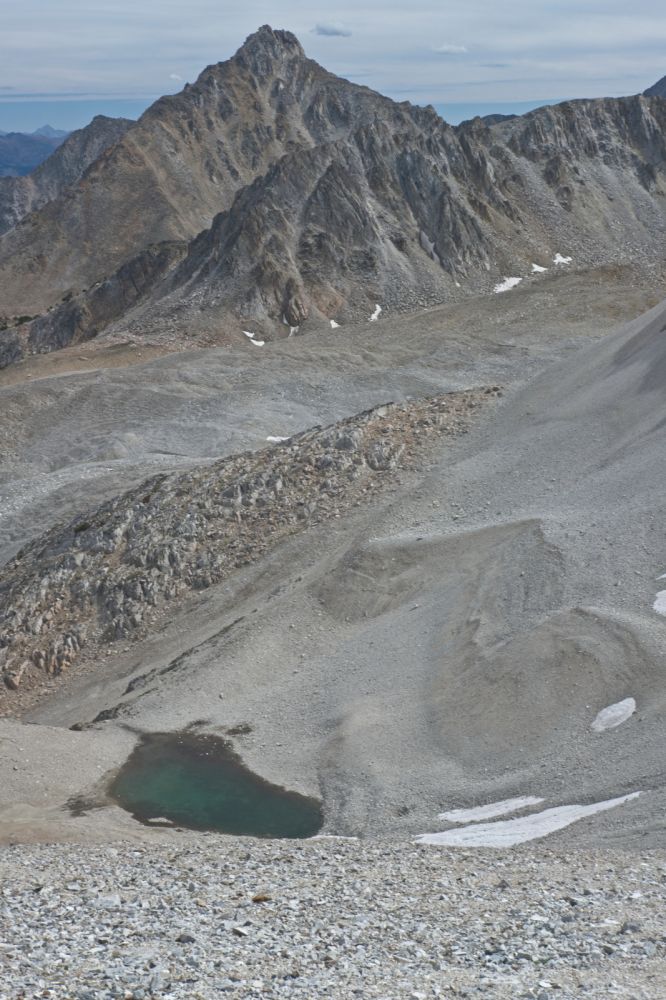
(211, 916)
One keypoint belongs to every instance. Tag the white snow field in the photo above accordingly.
(509, 832)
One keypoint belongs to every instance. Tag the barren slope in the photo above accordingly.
(453, 641)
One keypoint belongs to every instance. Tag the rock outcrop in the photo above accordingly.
(104, 576)
(80, 318)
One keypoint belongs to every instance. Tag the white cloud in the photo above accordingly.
(452, 50)
(334, 29)
(175, 76)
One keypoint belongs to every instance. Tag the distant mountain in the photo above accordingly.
(20, 153)
(658, 90)
(272, 194)
(496, 119)
(21, 195)
(50, 133)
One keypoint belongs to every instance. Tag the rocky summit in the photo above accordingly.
(332, 548)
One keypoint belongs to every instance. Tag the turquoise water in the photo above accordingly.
(200, 782)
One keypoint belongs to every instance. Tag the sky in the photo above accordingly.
(62, 61)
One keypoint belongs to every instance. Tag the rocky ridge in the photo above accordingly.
(19, 196)
(105, 576)
(423, 212)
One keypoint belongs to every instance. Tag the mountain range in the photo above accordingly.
(271, 196)
(21, 152)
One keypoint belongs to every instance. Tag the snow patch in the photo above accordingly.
(507, 285)
(614, 715)
(276, 440)
(508, 832)
(538, 269)
(660, 603)
(258, 343)
(559, 259)
(489, 811)
(334, 325)
(376, 314)
(248, 334)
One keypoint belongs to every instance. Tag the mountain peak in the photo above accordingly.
(50, 133)
(267, 46)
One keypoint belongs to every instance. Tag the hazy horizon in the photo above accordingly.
(64, 64)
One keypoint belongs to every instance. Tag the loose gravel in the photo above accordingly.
(212, 917)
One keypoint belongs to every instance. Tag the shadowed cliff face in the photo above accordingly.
(295, 198)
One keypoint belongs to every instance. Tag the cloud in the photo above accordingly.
(332, 29)
(452, 50)
(589, 49)
(175, 76)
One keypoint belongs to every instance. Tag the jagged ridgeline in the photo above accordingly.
(271, 195)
